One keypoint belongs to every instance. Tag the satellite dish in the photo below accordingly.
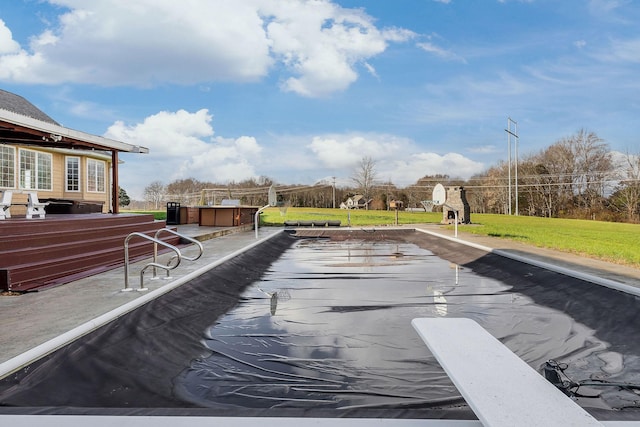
(439, 195)
(273, 197)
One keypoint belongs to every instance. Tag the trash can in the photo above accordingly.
(173, 213)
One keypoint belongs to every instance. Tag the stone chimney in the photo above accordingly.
(456, 201)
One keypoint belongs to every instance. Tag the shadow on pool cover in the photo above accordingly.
(278, 332)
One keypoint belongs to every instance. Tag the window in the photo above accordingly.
(73, 174)
(35, 170)
(7, 167)
(95, 176)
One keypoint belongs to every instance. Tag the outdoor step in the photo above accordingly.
(23, 226)
(42, 245)
(39, 253)
(56, 271)
(49, 251)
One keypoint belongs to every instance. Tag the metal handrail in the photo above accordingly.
(151, 264)
(257, 218)
(182, 236)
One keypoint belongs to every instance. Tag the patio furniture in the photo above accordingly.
(5, 204)
(35, 207)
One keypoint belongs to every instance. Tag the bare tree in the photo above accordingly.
(626, 198)
(422, 190)
(539, 197)
(558, 166)
(186, 191)
(593, 169)
(492, 196)
(569, 177)
(154, 193)
(365, 176)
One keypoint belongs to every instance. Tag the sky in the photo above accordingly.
(301, 91)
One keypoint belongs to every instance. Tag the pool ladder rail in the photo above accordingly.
(178, 257)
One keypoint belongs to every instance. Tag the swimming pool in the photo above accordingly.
(321, 327)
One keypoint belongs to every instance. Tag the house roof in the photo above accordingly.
(17, 104)
(22, 122)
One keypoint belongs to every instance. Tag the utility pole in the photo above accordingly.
(512, 131)
(334, 191)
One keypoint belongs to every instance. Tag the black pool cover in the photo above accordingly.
(321, 328)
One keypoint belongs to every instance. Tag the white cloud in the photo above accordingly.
(146, 42)
(224, 160)
(7, 44)
(371, 69)
(626, 50)
(406, 171)
(346, 150)
(15, 63)
(485, 149)
(580, 44)
(602, 8)
(431, 45)
(167, 134)
(322, 43)
(181, 145)
(440, 52)
(397, 159)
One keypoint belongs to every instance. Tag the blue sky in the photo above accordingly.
(300, 91)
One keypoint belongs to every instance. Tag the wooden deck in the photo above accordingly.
(39, 253)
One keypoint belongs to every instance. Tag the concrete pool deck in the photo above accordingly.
(33, 319)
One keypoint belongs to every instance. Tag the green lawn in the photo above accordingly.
(272, 216)
(615, 242)
(158, 215)
(611, 241)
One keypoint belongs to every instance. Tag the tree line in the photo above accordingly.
(576, 177)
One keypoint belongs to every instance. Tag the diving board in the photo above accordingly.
(501, 389)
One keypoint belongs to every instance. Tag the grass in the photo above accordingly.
(614, 242)
(157, 215)
(609, 241)
(272, 216)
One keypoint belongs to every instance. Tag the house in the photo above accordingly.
(60, 164)
(356, 202)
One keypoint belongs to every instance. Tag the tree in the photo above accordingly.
(593, 169)
(123, 197)
(492, 195)
(422, 190)
(568, 178)
(559, 161)
(154, 193)
(626, 198)
(543, 205)
(185, 191)
(365, 176)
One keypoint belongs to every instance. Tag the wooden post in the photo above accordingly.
(115, 190)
